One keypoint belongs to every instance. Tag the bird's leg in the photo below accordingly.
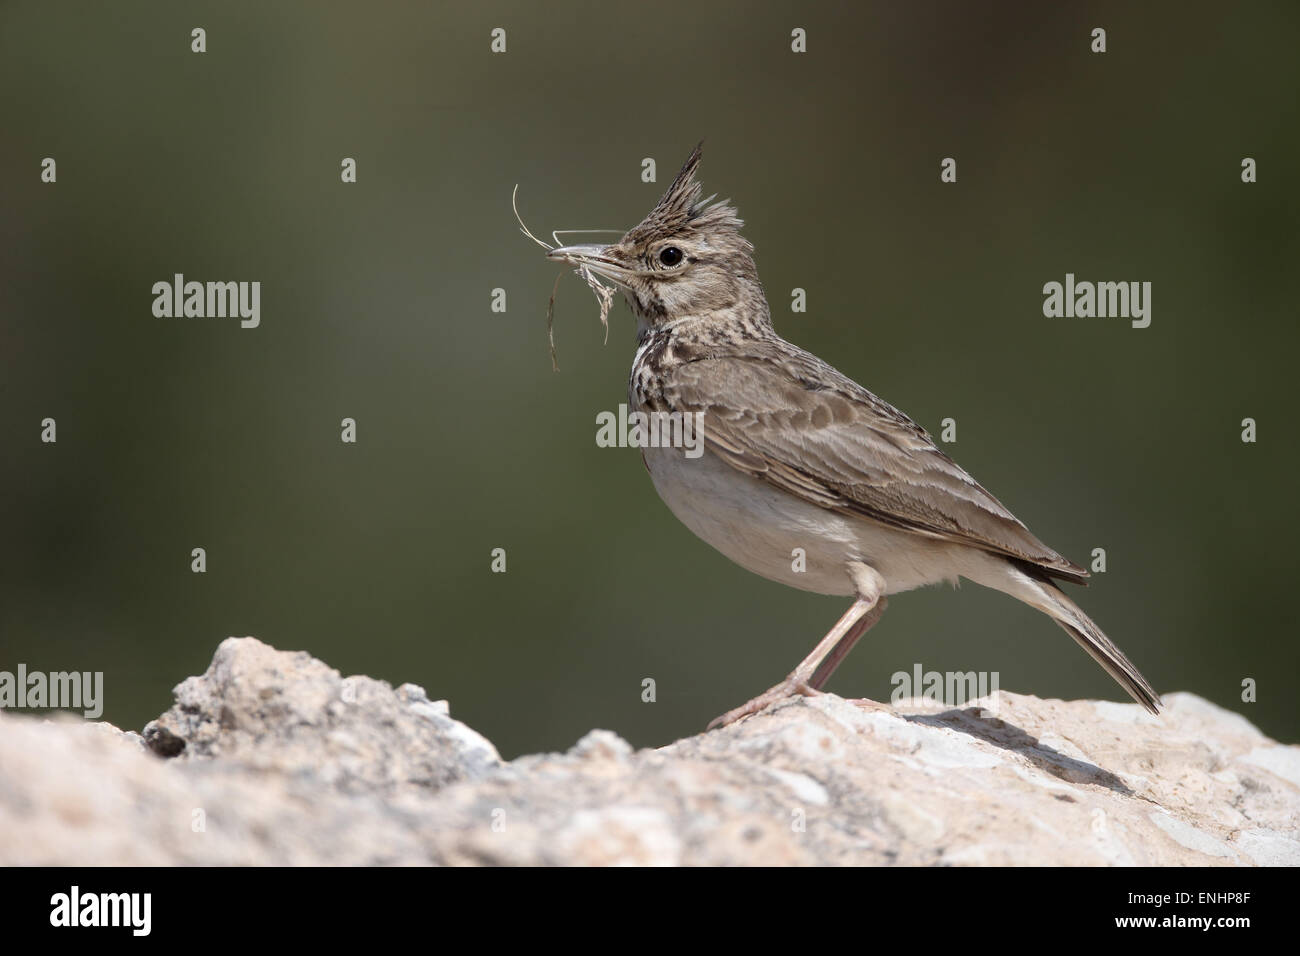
(815, 670)
(826, 668)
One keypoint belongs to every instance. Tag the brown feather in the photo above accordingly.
(837, 445)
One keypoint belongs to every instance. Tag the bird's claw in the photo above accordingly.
(788, 688)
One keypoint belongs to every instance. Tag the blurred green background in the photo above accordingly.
(183, 433)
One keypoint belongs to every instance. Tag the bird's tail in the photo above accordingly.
(1040, 592)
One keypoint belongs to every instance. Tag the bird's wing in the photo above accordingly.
(788, 418)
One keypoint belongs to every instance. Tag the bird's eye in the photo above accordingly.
(670, 256)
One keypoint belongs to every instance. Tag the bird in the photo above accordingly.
(797, 455)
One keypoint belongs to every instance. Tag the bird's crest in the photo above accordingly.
(682, 211)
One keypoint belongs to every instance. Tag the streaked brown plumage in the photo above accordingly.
(798, 455)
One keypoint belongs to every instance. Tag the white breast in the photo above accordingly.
(760, 527)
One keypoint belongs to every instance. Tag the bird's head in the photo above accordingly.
(685, 258)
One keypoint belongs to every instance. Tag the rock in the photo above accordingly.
(274, 758)
(270, 710)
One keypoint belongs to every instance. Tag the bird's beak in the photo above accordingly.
(594, 257)
(579, 255)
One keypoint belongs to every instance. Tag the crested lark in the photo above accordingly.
(797, 455)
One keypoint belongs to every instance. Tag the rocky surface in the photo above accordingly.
(274, 758)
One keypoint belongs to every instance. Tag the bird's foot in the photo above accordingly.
(790, 687)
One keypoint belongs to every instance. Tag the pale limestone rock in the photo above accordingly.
(274, 758)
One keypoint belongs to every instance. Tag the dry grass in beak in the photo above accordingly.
(550, 322)
(604, 293)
